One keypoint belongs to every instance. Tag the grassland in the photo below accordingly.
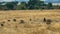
(33, 22)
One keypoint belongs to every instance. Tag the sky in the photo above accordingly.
(53, 1)
(12, 0)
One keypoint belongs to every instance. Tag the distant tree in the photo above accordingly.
(34, 4)
(22, 6)
(59, 7)
(0, 6)
(11, 5)
(0, 3)
(49, 5)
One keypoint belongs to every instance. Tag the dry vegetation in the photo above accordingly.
(30, 22)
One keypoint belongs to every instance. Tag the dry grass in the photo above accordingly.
(33, 22)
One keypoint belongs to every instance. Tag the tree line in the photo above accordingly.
(30, 5)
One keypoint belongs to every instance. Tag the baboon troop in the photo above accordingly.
(47, 21)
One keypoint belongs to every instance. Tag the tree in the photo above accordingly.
(49, 5)
(22, 6)
(2, 6)
(11, 5)
(34, 4)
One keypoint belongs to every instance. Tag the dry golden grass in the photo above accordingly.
(35, 26)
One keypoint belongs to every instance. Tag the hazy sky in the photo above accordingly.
(55, 1)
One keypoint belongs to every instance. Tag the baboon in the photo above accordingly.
(21, 21)
(2, 24)
(8, 20)
(44, 19)
(30, 19)
(14, 19)
(48, 21)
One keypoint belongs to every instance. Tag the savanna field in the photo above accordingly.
(30, 22)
